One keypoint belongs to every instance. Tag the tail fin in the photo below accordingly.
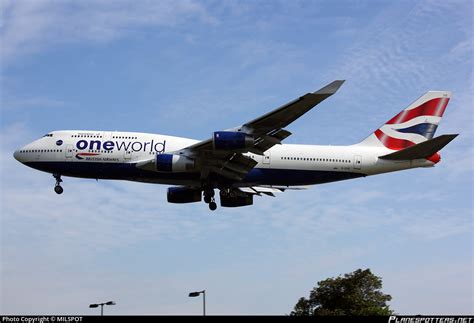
(416, 124)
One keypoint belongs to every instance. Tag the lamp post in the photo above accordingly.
(195, 294)
(101, 306)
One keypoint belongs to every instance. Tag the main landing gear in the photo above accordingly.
(209, 199)
(212, 206)
(58, 188)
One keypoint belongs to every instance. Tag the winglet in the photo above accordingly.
(331, 88)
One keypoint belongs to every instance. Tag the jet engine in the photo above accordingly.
(173, 163)
(230, 140)
(183, 195)
(235, 201)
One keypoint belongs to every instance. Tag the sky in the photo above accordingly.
(188, 68)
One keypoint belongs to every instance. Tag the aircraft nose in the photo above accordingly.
(16, 155)
(19, 156)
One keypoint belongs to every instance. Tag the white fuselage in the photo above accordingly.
(114, 155)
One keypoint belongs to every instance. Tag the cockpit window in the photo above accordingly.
(48, 135)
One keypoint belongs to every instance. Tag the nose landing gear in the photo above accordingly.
(58, 188)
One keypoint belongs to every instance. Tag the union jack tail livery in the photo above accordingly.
(414, 125)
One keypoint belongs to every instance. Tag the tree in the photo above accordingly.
(357, 293)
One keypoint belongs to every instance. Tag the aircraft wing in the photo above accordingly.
(265, 132)
(286, 114)
(268, 129)
(267, 190)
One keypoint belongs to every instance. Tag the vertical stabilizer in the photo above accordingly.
(416, 124)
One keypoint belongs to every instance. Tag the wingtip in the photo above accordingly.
(451, 135)
(331, 88)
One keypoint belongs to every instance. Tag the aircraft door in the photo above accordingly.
(357, 161)
(127, 155)
(266, 158)
(69, 151)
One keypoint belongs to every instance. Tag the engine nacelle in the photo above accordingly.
(235, 201)
(230, 140)
(183, 195)
(173, 163)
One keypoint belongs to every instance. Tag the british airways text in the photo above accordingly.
(135, 146)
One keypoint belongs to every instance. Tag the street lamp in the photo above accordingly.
(101, 306)
(195, 294)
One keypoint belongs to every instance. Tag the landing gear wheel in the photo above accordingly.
(207, 199)
(58, 189)
(212, 206)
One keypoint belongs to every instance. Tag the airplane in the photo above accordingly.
(247, 160)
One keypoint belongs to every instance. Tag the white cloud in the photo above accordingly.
(32, 103)
(32, 26)
(401, 54)
(441, 285)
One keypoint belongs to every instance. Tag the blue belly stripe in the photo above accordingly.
(126, 171)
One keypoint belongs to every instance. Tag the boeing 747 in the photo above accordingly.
(244, 161)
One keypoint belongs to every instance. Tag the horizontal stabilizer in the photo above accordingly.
(424, 149)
